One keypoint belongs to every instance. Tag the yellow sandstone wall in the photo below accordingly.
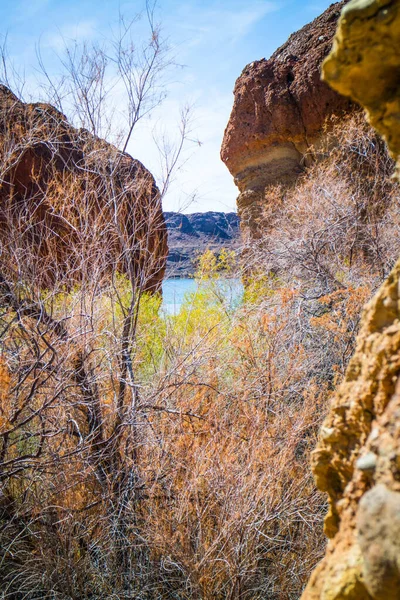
(357, 461)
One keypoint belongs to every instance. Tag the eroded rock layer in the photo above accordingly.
(70, 202)
(357, 461)
(280, 107)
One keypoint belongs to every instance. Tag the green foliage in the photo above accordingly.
(152, 330)
(206, 313)
(214, 264)
(260, 286)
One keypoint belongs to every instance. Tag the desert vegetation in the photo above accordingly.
(333, 237)
(152, 456)
(152, 480)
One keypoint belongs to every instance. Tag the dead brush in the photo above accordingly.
(181, 470)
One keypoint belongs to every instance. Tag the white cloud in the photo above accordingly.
(29, 8)
(239, 23)
(203, 175)
(224, 25)
(81, 31)
(317, 7)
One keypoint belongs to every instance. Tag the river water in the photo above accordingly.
(175, 290)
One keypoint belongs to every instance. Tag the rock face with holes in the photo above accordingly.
(71, 204)
(357, 461)
(280, 107)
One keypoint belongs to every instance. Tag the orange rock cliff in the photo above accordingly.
(280, 107)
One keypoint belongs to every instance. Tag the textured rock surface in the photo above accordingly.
(64, 191)
(357, 460)
(280, 107)
(370, 75)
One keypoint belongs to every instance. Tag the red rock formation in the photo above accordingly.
(279, 110)
(70, 202)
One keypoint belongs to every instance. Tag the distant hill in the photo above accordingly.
(191, 235)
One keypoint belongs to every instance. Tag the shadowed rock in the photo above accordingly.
(72, 205)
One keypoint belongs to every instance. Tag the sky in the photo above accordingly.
(211, 42)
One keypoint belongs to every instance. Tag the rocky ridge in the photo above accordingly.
(191, 235)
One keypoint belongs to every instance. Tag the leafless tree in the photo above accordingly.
(82, 241)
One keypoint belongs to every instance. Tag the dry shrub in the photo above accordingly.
(339, 223)
(232, 510)
(197, 486)
(333, 237)
(149, 457)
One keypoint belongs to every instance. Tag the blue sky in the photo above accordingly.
(213, 39)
